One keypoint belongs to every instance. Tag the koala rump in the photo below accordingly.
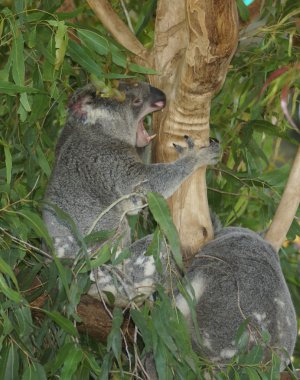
(237, 277)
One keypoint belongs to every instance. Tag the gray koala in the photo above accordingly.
(97, 164)
(234, 279)
(237, 276)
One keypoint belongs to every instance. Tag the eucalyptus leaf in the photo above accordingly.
(13, 89)
(8, 163)
(82, 56)
(37, 224)
(35, 371)
(12, 363)
(8, 292)
(114, 340)
(6, 269)
(72, 360)
(63, 322)
(243, 10)
(160, 211)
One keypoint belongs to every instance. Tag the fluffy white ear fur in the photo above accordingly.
(93, 115)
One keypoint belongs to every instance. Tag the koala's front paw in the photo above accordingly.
(190, 143)
(211, 154)
(207, 155)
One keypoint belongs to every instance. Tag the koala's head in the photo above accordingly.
(121, 117)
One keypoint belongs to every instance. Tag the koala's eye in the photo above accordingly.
(137, 101)
(89, 100)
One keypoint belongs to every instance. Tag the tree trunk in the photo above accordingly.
(194, 43)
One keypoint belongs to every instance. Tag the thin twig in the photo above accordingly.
(136, 355)
(25, 244)
(127, 196)
(127, 350)
(102, 301)
(23, 199)
(127, 16)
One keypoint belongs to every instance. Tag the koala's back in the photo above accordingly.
(238, 276)
(82, 183)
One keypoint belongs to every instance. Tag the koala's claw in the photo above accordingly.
(178, 148)
(213, 140)
(190, 144)
(189, 141)
(212, 152)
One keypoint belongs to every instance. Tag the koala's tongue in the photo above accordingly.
(142, 136)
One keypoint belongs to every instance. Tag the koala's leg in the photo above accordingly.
(64, 242)
(234, 277)
(134, 279)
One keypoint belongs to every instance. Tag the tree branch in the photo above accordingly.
(117, 28)
(287, 208)
(96, 320)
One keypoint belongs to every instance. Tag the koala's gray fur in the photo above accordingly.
(237, 276)
(135, 278)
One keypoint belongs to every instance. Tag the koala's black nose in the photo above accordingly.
(158, 98)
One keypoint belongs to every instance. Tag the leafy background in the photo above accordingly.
(44, 56)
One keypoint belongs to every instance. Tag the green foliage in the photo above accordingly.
(161, 214)
(252, 129)
(258, 144)
(40, 66)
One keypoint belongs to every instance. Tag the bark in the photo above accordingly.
(288, 376)
(67, 6)
(96, 318)
(287, 208)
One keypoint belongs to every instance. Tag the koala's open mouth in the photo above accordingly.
(142, 136)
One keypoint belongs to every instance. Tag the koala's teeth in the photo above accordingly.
(150, 138)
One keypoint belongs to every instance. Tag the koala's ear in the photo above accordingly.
(82, 95)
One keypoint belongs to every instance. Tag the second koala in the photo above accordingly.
(236, 278)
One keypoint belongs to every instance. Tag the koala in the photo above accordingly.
(97, 164)
(98, 176)
(237, 276)
(233, 278)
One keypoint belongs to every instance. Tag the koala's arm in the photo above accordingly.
(165, 178)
